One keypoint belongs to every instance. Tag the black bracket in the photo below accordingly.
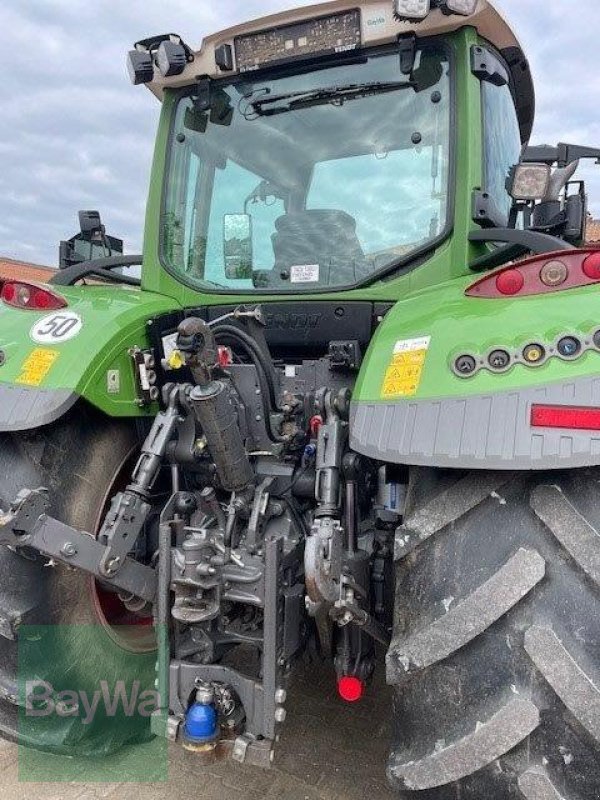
(487, 67)
(407, 48)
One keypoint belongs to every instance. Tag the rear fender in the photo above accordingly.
(49, 360)
(410, 405)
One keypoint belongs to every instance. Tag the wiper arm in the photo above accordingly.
(336, 95)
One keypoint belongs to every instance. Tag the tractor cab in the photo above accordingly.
(314, 155)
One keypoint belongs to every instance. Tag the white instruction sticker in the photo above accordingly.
(412, 345)
(304, 273)
(169, 344)
(56, 328)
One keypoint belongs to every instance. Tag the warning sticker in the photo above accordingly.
(403, 375)
(36, 366)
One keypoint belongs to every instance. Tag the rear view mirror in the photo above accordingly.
(92, 242)
(237, 246)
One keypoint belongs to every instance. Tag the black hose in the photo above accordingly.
(241, 336)
(265, 376)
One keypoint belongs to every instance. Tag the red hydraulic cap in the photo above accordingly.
(225, 356)
(350, 689)
(315, 425)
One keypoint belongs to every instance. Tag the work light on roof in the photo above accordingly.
(171, 58)
(465, 7)
(412, 9)
(140, 66)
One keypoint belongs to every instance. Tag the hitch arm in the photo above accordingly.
(28, 525)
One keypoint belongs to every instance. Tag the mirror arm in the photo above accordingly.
(498, 257)
(102, 267)
(517, 240)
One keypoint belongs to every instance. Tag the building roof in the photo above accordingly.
(20, 270)
(593, 231)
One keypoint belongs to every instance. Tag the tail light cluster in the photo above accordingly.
(553, 272)
(30, 296)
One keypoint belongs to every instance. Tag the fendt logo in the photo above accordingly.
(293, 322)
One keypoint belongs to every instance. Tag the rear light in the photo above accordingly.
(591, 266)
(350, 688)
(553, 272)
(30, 296)
(510, 282)
(570, 417)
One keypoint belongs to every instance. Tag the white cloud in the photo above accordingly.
(75, 134)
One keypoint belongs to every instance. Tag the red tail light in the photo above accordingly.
(552, 272)
(30, 296)
(571, 417)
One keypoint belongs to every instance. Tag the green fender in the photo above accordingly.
(410, 405)
(51, 359)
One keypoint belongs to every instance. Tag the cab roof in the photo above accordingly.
(379, 26)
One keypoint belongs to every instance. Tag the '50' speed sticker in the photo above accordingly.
(56, 328)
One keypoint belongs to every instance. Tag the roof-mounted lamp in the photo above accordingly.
(168, 53)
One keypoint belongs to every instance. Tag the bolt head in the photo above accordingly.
(280, 696)
(280, 714)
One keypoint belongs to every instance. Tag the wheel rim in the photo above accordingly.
(131, 631)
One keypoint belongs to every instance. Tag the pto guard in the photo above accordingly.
(51, 359)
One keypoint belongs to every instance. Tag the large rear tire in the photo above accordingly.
(496, 649)
(81, 459)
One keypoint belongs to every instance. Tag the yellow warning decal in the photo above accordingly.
(36, 366)
(403, 375)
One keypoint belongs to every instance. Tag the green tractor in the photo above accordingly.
(352, 404)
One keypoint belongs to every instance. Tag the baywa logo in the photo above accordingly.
(118, 700)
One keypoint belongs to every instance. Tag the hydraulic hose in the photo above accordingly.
(255, 353)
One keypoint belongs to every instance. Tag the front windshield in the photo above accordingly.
(311, 181)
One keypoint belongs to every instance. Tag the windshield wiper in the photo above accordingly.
(336, 95)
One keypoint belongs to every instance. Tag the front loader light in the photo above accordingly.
(140, 66)
(412, 9)
(171, 58)
(529, 181)
(464, 7)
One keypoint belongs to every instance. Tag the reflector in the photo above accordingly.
(572, 417)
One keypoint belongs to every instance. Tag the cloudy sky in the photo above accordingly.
(75, 134)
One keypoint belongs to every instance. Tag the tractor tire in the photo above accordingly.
(52, 618)
(495, 656)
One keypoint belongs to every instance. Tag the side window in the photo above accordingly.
(502, 142)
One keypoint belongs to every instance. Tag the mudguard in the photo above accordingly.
(50, 359)
(411, 406)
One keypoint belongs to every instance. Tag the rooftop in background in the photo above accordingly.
(593, 231)
(20, 270)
